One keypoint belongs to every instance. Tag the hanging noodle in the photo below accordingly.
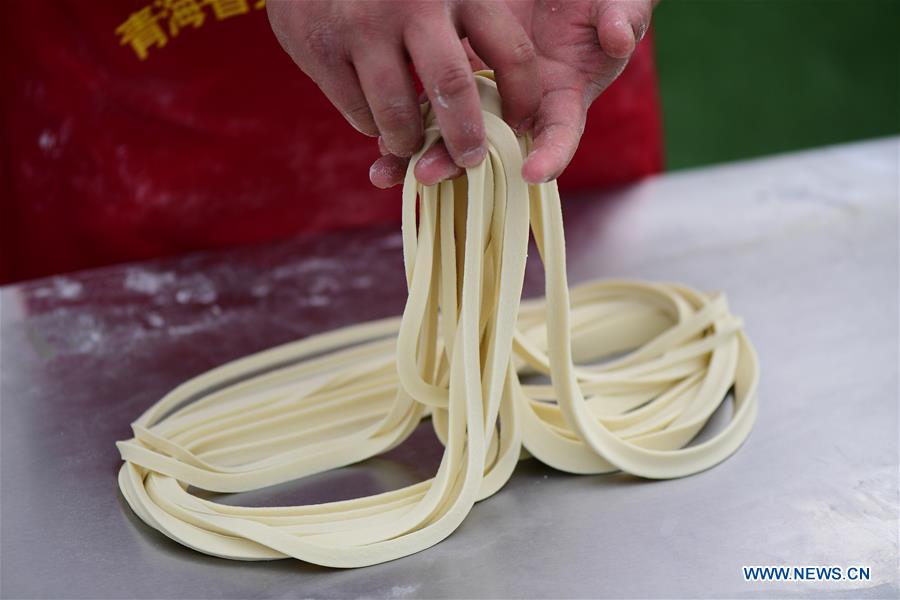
(458, 354)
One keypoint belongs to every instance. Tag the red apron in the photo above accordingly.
(141, 128)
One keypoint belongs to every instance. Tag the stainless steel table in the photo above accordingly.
(806, 246)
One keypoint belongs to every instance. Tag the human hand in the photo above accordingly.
(357, 52)
(581, 46)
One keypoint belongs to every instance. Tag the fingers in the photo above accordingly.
(615, 33)
(388, 171)
(311, 35)
(436, 165)
(388, 87)
(497, 37)
(342, 88)
(560, 120)
(558, 129)
(443, 67)
(621, 25)
(433, 167)
(475, 62)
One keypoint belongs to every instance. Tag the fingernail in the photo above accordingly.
(472, 157)
(403, 151)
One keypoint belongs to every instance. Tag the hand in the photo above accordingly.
(581, 47)
(357, 52)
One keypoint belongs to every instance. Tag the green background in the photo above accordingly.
(742, 78)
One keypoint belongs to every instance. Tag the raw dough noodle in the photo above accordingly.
(458, 354)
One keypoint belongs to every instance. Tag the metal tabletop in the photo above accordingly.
(806, 247)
